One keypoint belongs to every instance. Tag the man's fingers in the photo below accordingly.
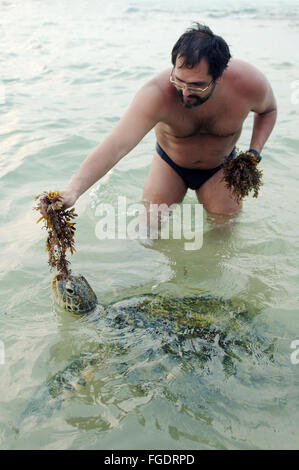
(43, 210)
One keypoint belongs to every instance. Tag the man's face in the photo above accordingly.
(190, 83)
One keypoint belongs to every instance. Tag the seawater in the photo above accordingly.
(68, 72)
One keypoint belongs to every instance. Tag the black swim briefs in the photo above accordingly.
(192, 177)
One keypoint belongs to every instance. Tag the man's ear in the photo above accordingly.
(218, 80)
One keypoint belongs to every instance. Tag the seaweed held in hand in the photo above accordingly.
(61, 231)
(242, 176)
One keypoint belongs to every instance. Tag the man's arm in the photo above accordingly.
(142, 115)
(264, 107)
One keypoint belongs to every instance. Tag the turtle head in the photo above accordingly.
(74, 294)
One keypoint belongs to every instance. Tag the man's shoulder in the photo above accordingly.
(245, 77)
(159, 83)
(156, 89)
(152, 98)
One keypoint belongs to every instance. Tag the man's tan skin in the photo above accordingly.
(193, 138)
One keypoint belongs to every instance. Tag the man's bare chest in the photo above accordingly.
(223, 120)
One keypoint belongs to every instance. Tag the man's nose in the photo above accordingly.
(186, 92)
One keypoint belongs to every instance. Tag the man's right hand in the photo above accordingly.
(67, 198)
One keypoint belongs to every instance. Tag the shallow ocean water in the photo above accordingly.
(68, 73)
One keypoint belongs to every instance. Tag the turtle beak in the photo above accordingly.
(54, 286)
(56, 292)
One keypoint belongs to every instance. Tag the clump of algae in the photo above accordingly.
(242, 176)
(61, 230)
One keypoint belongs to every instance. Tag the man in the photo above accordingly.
(197, 109)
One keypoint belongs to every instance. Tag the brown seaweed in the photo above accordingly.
(60, 227)
(242, 176)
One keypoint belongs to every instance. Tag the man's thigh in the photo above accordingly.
(215, 197)
(163, 184)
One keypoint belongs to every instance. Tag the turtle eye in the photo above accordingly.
(69, 290)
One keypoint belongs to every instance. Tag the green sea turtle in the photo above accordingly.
(74, 294)
(208, 322)
(143, 338)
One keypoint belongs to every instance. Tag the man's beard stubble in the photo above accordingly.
(197, 100)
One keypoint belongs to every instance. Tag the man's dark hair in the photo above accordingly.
(200, 42)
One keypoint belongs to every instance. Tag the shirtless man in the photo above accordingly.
(197, 109)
